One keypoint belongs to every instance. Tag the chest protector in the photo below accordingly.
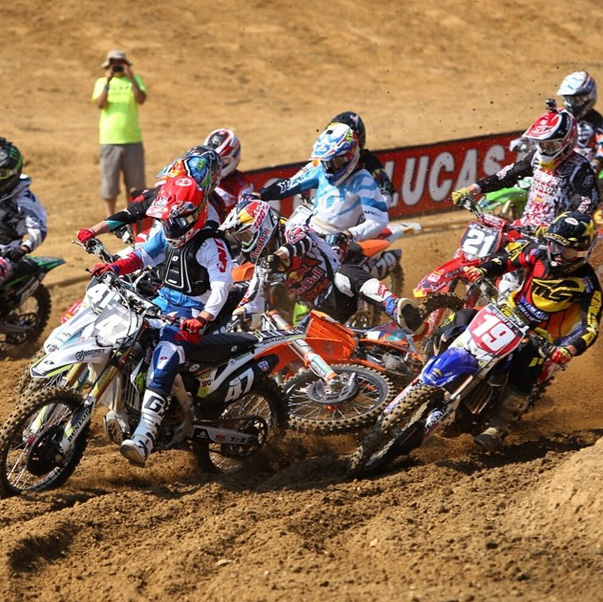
(9, 220)
(182, 272)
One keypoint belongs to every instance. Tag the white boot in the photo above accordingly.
(138, 448)
(404, 311)
(506, 412)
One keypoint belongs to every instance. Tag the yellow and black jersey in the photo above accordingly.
(568, 306)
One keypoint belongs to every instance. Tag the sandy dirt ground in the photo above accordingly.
(448, 524)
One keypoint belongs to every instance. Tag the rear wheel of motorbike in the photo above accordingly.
(435, 311)
(367, 314)
(396, 433)
(260, 412)
(312, 411)
(32, 315)
(30, 457)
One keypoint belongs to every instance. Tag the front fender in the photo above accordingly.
(449, 365)
(440, 279)
(88, 351)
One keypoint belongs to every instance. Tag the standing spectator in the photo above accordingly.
(118, 95)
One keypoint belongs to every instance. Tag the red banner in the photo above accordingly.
(423, 176)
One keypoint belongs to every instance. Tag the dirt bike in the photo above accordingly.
(25, 302)
(483, 238)
(224, 405)
(456, 389)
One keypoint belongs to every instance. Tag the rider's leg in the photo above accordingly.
(525, 368)
(353, 280)
(167, 357)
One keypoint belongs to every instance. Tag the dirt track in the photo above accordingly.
(448, 525)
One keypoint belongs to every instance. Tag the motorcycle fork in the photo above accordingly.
(303, 349)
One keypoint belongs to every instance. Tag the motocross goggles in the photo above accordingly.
(567, 253)
(332, 165)
(7, 173)
(177, 226)
(550, 148)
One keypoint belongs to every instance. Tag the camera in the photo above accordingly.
(118, 68)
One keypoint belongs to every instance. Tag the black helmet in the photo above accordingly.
(353, 121)
(570, 240)
(11, 165)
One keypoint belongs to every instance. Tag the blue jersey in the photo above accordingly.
(356, 204)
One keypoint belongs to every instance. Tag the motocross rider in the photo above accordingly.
(196, 282)
(233, 183)
(368, 160)
(309, 264)
(21, 213)
(347, 207)
(561, 293)
(563, 180)
(579, 93)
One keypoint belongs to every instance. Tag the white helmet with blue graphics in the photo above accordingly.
(338, 151)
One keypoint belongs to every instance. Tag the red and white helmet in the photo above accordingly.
(253, 223)
(554, 134)
(181, 206)
(228, 146)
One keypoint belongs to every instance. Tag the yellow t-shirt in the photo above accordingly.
(118, 122)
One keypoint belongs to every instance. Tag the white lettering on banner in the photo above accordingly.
(468, 171)
(444, 161)
(410, 196)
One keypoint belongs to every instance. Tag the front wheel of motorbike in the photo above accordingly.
(397, 432)
(259, 412)
(30, 457)
(312, 410)
(26, 323)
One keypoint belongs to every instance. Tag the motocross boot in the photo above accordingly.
(404, 311)
(138, 448)
(507, 411)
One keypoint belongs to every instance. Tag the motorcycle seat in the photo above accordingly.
(215, 348)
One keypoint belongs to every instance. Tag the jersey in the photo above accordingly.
(212, 255)
(569, 186)
(590, 138)
(24, 219)
(568, 305)
(355, 205)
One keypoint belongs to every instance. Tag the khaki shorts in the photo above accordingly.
(118, 158)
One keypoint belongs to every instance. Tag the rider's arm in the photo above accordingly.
(508, 176)
(586, 334)
(34, 225)
(373, 165)
(584, 183)
(215, 257)
(512, 258)
(281, 189)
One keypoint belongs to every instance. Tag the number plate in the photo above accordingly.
(479, 241)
